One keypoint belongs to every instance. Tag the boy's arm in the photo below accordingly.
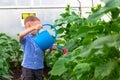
(25, 32)
(28, 30)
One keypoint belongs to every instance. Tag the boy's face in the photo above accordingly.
(34, 24)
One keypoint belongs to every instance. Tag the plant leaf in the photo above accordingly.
(104, 70)
(110, 4)
(59, 67)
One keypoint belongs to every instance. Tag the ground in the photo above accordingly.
(17, 71)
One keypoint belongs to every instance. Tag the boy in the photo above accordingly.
(32, 63)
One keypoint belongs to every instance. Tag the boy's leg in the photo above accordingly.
(27, 74)
(39, 74)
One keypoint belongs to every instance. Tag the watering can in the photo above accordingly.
(44, 39)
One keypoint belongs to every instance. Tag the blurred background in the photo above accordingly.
(13, 11)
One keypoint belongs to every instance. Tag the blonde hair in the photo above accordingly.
(31, 18)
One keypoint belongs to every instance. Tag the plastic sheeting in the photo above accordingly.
(11, 21)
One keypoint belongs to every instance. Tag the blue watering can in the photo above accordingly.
(44, 39)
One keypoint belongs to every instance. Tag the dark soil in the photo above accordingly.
(16, 71)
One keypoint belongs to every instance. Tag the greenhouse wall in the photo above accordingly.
(11, 11)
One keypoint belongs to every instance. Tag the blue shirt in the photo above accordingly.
(33, 56)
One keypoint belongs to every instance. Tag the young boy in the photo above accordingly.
(33, 57)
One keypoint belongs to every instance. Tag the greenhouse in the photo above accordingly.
(60, 40)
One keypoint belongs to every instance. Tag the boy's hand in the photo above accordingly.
(48, 51)
(54, 47)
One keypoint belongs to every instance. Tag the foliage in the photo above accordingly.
(51, 58)
(93, 45)
(10, 51)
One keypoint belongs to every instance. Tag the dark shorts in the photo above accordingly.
(30, 74)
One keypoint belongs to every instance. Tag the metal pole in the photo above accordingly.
(79, 6)
(34, 7)
(92, 3)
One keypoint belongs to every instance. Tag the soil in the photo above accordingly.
(16, 71)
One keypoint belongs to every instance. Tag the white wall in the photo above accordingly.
(11, 10)
(11, 20)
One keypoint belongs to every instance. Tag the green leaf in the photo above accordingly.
(1, 63)
(115, 13)
(108, 40)
(110, 4)
(83, 29)
(80, 69)
(60, 30)
(83, 67)
(59, 67)
(104, 70)
(100, 42)
(60, 42)
(94, 17)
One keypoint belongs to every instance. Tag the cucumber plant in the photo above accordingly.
(93, 44)
(10, 51)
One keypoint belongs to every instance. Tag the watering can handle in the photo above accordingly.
(52, 26)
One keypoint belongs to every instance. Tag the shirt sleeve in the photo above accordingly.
(23, 40)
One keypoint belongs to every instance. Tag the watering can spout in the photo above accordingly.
(65, 51)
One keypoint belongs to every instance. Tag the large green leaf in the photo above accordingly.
(104, 70)
(94, 17)
(59, 67)
(109, 5)
(81, 68)
(100, 42)
(109, 40)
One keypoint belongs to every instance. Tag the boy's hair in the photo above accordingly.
(31, 18)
